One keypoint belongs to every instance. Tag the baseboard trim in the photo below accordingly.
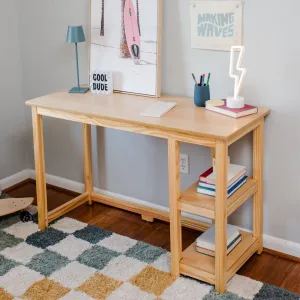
(282, 255)
(276, 246)
(17, 185)
(9, 182)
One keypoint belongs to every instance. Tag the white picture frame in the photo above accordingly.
(108, 50)
(216, 25)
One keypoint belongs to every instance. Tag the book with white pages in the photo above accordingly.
(213, 186)
(230, 247)
(158, 109)
(207, 239)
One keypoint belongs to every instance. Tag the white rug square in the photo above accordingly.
(22, 253)
(185, 288)
(244, 286)
(117, 243)
(127, 291)
(163, 263)
(123, 268)
(19, 279)
(76, 295)
(22, 230)
(68, 225)
(71, 247)
(72, 275)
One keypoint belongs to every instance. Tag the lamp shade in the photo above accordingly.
(75, 34)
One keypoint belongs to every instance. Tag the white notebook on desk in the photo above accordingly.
(158, 109)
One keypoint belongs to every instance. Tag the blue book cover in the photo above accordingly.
(230, 191)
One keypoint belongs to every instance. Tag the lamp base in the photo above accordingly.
(238, 102)
(76, 90)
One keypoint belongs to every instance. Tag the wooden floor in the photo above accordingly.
(267, 268)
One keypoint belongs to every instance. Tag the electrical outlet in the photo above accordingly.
(184, 164)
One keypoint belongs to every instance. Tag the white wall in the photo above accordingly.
(137, 165)
(12, 120)
(49, 65)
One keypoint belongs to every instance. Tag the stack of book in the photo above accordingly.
(205, 243)
(236, 178)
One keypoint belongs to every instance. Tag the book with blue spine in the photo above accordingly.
(207, 239)
(211, 191)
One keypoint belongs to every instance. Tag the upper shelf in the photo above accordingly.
(203, 205)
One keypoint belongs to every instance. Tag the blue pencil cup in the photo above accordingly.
(201, 95)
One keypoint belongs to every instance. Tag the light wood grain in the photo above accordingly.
(175, 213)
(88, 166)
(191, 271)
(258, 150)
(243, 131)
(145, 210)
(186, 118)
(212, 156)
(127, 126)
(240, 256)
(148, 218)
(12, 205)
(39, 159)
(204, 205)
(185, 123)
(221, 215)
(70, 205)
(204, 265)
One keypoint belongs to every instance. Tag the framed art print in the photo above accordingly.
(216, 25)
(125, 38)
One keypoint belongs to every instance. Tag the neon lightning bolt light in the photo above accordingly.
(237, 101)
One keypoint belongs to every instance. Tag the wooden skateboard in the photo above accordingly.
(12, 205)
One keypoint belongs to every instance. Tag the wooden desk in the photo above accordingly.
(185, 123)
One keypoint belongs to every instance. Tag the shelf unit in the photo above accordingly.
(201, 266)
(219, 270)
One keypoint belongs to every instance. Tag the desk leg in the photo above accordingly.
(221, 215)
(88, 165)
(258, 149)
(212, 155)
(41, 190)
(175, 214)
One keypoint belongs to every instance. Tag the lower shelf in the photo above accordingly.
(202, 267)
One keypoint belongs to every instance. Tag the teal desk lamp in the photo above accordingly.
(76, 35)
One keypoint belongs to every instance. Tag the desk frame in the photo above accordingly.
(219, 146)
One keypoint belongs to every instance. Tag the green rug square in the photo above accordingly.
(8, 240)
(145, 252)
(92, 234)
(6, 265)
(47, 262)
(97, 257)
(268, 292)
(9, 220)
(46, 238)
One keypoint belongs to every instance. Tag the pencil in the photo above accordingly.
(208, 78)
(194, 79)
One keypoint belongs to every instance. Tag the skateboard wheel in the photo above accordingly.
(26, 216)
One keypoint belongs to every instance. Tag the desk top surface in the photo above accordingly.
(185, 117)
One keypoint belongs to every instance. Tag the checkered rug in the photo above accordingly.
(75, 261)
